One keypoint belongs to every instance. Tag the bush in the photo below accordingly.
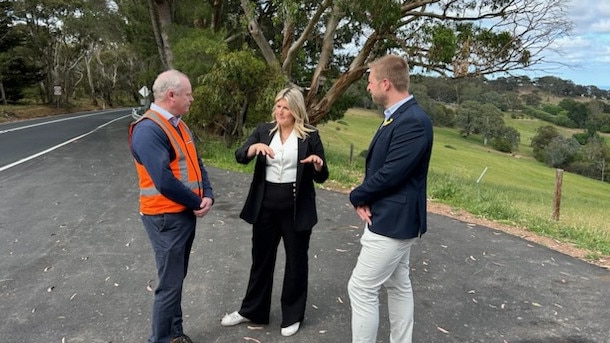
(502, 144)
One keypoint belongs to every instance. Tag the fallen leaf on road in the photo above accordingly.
(442, 330)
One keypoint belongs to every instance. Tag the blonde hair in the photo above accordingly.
(394, 68)
(296, 103)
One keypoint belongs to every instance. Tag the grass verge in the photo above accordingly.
(515, 189)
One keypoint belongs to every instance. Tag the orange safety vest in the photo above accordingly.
(185, 168)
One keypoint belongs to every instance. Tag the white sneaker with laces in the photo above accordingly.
(233, 318)
(290, 330)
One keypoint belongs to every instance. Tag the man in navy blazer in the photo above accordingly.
(392, 202)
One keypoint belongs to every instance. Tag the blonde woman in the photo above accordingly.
(281, 205)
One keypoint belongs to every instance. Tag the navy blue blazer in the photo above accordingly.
(305, 214)
(396, 173)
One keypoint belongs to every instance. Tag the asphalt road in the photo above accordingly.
(75, 265)
(28, 139)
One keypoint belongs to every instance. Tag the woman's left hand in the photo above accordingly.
(316, 160)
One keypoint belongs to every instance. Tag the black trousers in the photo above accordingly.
(276, 221)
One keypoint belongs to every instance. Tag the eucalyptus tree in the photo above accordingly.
(467, 117)
(561, 152)
(63, 37)
(40, 23)
(312, 40)
(98, 30)
(577, 111)
(489, 123)
(16, 72)
(507, 139)
(7, 42)
(543, 137)
(597, 153)
(165, 16)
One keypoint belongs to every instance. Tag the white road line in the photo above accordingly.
(57, 121)
(3, 168)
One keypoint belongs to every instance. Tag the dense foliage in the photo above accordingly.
(239, 53)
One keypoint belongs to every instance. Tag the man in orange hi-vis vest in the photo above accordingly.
(174, 191)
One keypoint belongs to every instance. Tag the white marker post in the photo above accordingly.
(479, 181)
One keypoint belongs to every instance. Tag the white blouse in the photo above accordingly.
(283, 168)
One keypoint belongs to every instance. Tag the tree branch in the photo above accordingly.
(258, 35)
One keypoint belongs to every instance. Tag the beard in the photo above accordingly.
(380, 99)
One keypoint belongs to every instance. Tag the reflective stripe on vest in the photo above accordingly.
(185, 168)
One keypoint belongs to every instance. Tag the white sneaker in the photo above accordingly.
(233, 318)
(290, 330)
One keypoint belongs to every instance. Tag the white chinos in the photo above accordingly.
(382, 261)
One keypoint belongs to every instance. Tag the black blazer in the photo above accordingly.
(305, 214)
(395, 180)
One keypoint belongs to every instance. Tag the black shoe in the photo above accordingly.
(181, 339)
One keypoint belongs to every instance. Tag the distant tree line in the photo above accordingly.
(105, 50)
(239, 52)
(478, 106)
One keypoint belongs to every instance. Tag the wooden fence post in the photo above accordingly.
(557, 196)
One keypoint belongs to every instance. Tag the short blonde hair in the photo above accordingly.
(296, 103)
(395, 69)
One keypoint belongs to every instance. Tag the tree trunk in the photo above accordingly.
(318, 110)
(258, 36)
(90, 80)
(325, 54)
(241, 119)
(3, 95)
(159, 11)
(217, 15)
(165, 20)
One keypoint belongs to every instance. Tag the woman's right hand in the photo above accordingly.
(260, 149)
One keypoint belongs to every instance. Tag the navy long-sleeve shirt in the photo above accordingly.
(152, 148)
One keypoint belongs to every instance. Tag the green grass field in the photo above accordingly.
(515, 190)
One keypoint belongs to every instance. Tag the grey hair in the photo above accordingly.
(168, 80)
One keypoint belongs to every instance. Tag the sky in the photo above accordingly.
(586, 50)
